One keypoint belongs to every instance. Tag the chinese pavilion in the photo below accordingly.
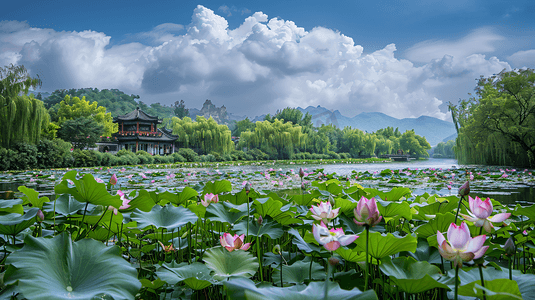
(138, 131)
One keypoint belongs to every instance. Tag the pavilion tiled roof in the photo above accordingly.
(137, 114)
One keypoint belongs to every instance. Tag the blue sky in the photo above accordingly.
(402, 58)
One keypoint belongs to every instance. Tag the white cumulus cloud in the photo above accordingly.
(259, 67)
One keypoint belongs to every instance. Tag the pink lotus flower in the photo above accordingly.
(331, 239)
(143, 175)
(324, 212)
(480, 212)
(113, 179)
(232, 243)
(209, 198)
(366, 212)
(460, 246)
(124, 205)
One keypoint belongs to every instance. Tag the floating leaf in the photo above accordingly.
(59, 268)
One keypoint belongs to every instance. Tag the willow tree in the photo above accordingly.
(277, 138)
(497, 125)
(204, 135)
(22, 117)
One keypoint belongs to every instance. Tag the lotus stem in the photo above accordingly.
(458, 209)
(109, 228)
(366, 270)
(482, 279)
(248, 218)
(511, 267)
(326, 291)
(259, 254)
(456, 297)
(83, 217)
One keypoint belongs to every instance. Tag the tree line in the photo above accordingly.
(69, 121)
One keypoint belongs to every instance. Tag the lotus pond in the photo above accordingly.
(267, 232)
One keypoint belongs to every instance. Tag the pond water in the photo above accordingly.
(509, 186)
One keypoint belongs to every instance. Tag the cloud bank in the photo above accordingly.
(261, 66)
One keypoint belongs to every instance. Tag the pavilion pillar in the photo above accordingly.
(137, 126)
(137, 146)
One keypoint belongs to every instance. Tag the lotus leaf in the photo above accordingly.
(315, 290)
(381, 246)
(12, 224)
(32, 197)
(65, 205)
(298, 272)
(412, 276)
(225, 264)
(169, 217)
(88, 190)
(269, 228)
(59, 268)
(174, 273)
(219, 212)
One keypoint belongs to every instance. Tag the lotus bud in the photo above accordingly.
(40, 216)
(277, 249)
(509, 247)
(333, 261)
(259, 220)
(464, 190)
(113, 179)
(247, 187)
(301, 173)
(331, 200)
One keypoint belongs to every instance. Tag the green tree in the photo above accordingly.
(180, 109)
(22, 117)
(82, 132)
(243, 125)
(497, 125)
(72, 108)
(414, 144)
(204, 135)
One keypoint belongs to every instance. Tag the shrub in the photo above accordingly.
(344, 155)
(333, 155)
(257, 154)
(6, 158)
(188, 154)
(25, 157)
(216, 155)
(177, 157)
(163, 159)
(238, 155)
(207, 158)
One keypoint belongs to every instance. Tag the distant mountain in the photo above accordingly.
(433, 129)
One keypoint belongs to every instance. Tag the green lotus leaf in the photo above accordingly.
(169, 217)
(385, 245)
(298, 272)
(436, 206)
(424, 252)
(305, 199)
(87, 189)
(32, 197)
(65, 205)
(59, 268)
(287, 218)
(153, 285)
(268, 206)
(219, 212)
(441, 222)
(497, 289)
(394, 195)
(174, 273)
(243, 288)
(13, 206)
(526, 282)
(180, 197)
(217, 187)
(239, 198)
(269, 228)
(332, 186)
(12, 224)
(225, 264)
(525, 211)
(346, 205)
(143, 201)
(301, 244)
(412, 276)
(394, 209)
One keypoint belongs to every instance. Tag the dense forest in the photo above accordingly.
(55, 131)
